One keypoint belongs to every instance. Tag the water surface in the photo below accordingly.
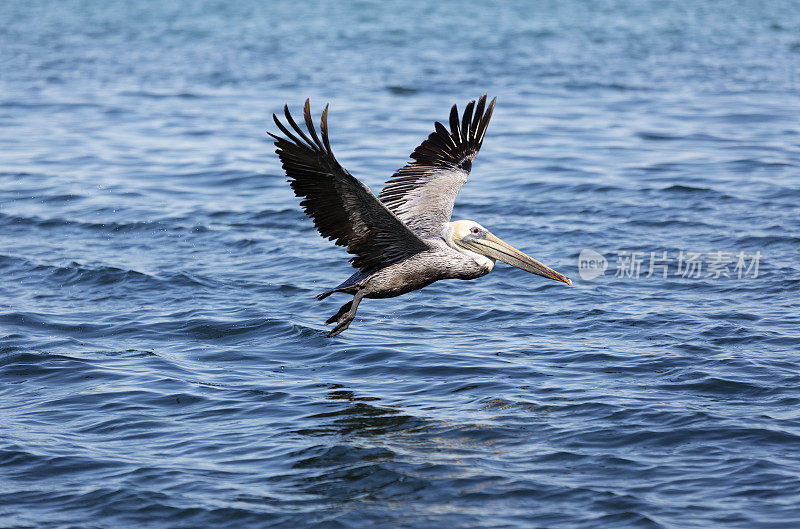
(162, 357)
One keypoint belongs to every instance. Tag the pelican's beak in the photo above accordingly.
(495, 248)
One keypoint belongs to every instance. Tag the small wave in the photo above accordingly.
(664, 223)
(658, 136)
(62, 199)
(224, 178)
(161, 95)
(401, 90)
(76, 273)
(55, 222)
(766, 241)
(748, 117)
(325, 456)
(47, 105)
(722, 387)
(750, 165)
(612, 86)
(42, 321)
(679, 188)
(226, 330)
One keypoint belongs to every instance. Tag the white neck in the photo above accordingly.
(481, 260)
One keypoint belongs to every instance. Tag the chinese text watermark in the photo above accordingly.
(664, 264)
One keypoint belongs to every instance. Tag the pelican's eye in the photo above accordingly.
(475, 230)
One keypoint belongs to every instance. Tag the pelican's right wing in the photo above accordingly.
(342, 208)
(422, 193)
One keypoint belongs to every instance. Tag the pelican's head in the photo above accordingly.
(469, 237)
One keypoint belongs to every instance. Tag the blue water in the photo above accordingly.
(162, 357)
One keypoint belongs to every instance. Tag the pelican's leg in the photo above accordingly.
(346, 314)
(338, 315)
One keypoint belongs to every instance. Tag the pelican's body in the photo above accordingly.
(403, 239)
(416, 272)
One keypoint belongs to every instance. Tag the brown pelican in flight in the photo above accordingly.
(403, 239)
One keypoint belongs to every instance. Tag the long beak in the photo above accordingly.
(493, 247)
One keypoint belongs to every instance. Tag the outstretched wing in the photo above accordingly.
(343, 209)
(423, 192)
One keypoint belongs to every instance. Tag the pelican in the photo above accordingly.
(403, 239)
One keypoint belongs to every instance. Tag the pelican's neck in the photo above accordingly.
(484, 262)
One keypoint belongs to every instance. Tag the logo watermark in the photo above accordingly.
(591, 264)
(663, 264)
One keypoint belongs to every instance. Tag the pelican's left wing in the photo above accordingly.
(342, 208)
(422, 193)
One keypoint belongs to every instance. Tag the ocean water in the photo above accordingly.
(163, 361)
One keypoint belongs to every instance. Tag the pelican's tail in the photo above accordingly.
(326, 294)
(349, 286)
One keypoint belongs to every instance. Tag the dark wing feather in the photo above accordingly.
(342, 208)
(423, 192)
